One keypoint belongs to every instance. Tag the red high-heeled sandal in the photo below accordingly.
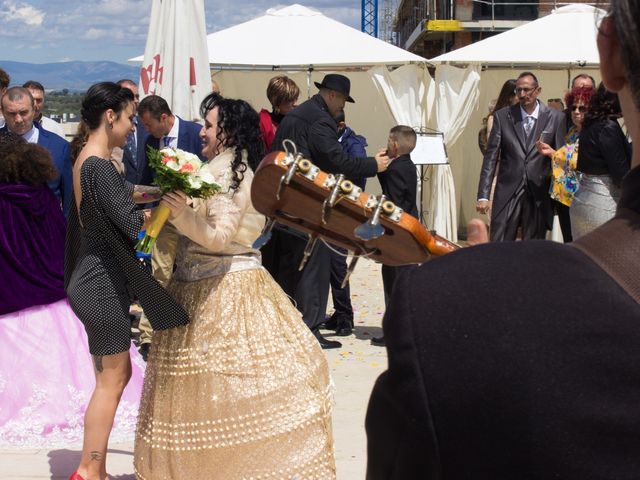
(75, 476)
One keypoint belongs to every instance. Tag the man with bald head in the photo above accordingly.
(19, 112)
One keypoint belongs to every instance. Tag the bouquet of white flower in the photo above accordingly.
(175, 170)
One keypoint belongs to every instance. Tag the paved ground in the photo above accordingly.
(354, 367)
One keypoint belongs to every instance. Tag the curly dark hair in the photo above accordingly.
(99, 98)
(604, 104)
(8, 139)
(240, 124)
(22, 162)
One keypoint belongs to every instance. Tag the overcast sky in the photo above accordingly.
(43, 31)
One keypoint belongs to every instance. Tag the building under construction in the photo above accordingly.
(433, 27)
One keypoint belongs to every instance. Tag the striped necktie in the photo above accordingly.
(528, 126)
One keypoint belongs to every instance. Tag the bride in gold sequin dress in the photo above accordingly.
(243, 390)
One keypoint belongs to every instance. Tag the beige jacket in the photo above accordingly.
(226, 223)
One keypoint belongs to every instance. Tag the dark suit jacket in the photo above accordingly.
(315, 134)
(520, 162)
(136, 170)
(489, 385)
(61, 153)
(62, 185)
(399, 184)
(188, 138)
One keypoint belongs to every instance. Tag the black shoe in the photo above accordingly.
(344, 328)
(326, 344)
(330, 322)
(144, 350)
(378, 341)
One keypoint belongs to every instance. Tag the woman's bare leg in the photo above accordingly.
(112, 375)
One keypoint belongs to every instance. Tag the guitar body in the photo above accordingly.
(405, 240)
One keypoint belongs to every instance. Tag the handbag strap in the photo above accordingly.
(615, 247)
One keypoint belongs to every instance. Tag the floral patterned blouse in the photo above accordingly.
(564, 180)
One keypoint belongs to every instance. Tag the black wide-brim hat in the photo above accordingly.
(338, 83)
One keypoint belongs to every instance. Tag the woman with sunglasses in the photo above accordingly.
(564, 182)
(605, 156)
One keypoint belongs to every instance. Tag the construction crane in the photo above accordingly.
(370, 17)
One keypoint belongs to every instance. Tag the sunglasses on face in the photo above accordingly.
(576, 108)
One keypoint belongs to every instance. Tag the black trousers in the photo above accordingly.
(565, 220)
(341, 296)
(309, 288)
(522, 211)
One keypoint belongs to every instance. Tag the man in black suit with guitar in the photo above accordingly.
(313, 128)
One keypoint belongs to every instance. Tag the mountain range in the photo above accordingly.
(74, 76)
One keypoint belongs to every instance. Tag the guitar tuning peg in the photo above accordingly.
(308, 250)
(265, 235)
(350, 269)
(331, 200)
(372, 229)
(288, 175)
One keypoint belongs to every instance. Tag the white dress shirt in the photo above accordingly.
(172, 136)
(533, 117)
(32, 135)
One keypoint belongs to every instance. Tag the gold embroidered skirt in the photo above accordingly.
(242, 392)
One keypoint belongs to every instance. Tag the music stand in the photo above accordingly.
(430, 150)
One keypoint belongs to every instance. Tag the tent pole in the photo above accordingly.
(309, 70)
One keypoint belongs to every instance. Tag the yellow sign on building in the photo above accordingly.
(443, 26)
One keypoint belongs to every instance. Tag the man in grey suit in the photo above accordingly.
(521, 198)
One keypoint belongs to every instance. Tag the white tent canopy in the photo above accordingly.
(565, 38)
(297, 37)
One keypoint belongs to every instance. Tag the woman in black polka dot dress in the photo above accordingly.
(101, 271)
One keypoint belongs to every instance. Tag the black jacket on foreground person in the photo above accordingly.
(538, 379)
(315, 134)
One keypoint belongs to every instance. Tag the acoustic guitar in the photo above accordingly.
(291, 191)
